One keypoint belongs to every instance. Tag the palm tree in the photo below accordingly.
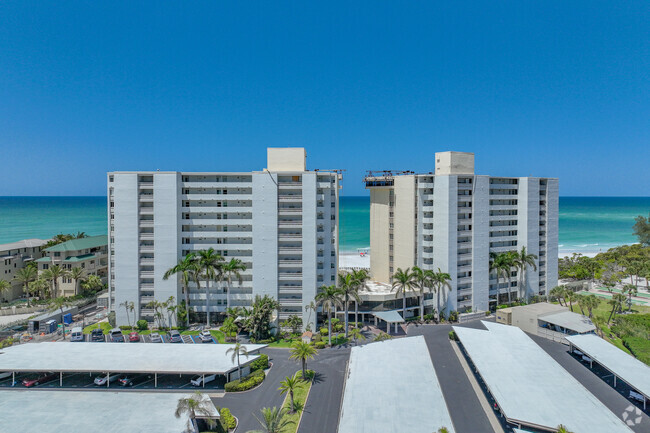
(500, 264)
(582, 303)
(197, 404)
(403, 281)
(59, 303)
(349, 289)
(599, 323)
(510, 263)
(310, 307)
(591, 302)
(570, 297)
(288, 385)
(76, 274)
(273, 420)
(423, 281)
(360, 279)
(558, 293)
(616, 302)
(127, 307)
(302, 351)
(185, 267)
(440, 280)
(522, 261)
(93, 282)
(4, 286)
(230, 270)
(53, 274)
(39, 285)
(630, 290)
(562, 429)
(238, 349)
(210, 265)
(356, 335)
(24, 276)
(329, 297)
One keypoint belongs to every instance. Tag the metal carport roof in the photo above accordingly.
(568, 320)
(389, 316)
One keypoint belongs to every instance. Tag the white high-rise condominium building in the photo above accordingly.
(282, 222)
(454, 219)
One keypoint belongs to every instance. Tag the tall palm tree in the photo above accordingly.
(329, 297)
(311, 307)
(498, 264)
(630, 290)
(77, 274)
(93, 282)
(209, 264)
(440, 281)
(39, 285)
(591, 303)
(570, 297)
(558, 293)
(302, 351)
(273, 420)
(4, 286)
(361, 277)
(24, 276)
(510, 259)
(127, 307)
(289, 385)
(197, 404)
(349, 289)
(186, 268)
(423, 283)
(357, 335)
(230, 270)
(403, 281)
(617, 303)
(523, 260)
(53, 274)
(237, 349)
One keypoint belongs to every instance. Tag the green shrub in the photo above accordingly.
(319, 345)
(324, 332)
(429, 317)
(143, 325)
(260, 363)
(453, 336)
(111, 318)
(227, 420)
(640, 348)
(316, 338)
(248, 382)
(126, 328)
(453, 316)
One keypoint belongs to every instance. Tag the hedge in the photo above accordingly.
(227, 420)
(248, 382)
(324, 331)
(319, 345)
(260, 363)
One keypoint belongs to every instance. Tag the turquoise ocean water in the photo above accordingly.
(587, 224)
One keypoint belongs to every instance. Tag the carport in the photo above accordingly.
(390, 317)
(622, 366)
(113, 358)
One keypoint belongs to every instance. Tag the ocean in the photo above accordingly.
(587, 224)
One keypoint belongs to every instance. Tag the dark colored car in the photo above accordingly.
(39, 379)
(97, 335)
(134, 337)
(131, 380)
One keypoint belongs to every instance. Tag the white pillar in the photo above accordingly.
(395, 327)
(61, 379)
(614, 381)
(108, 379)
(155, 380)
(388, 327)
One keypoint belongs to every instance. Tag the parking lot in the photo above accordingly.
(146, 338)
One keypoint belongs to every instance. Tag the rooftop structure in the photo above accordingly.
(385, 396)
(93, 412)
(529, 386)
(626, 367)
(454, 219)
(80, 244)
(13, 257)
(281, 222)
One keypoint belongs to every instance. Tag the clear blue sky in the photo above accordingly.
(533, 88)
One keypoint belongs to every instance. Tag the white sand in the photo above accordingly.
(349, 260)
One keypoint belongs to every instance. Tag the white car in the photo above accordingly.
(156, 338)
(201, 380)
(636, 396)
(5, 374)
(585, 358)
(101, 380)
(206, 337)
(577, 352)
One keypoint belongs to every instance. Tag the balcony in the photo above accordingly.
(146, 236)
(290, 275)
(145, 184)
(289, 250)
(290, 224)
(289, 210)
(290, 198)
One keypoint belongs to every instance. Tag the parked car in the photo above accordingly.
(201, 380)
(635, 396)
(97, 335)
(39, 379)
(206, 337)
(101, 380)
(77, 334)
(585, 358)
(116, 335)
(5, 374)
(131, 380)
(174, 336)
(577, 352)
(156, 338)
(133, 337)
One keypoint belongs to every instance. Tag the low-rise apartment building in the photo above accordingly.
(15, 256)
(452, 219)
(89, 253)
(281, 222)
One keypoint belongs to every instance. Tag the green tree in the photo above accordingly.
(500, 266)
(329, 297)
(53, 274)
(570, 297)
(197, 404)
(441, 280)
(170, 306)
(127, 308)
(311, 307)
(562, 429)
(289, 385)
(230, 270)
(617, 303)
(361, 277)
(302, 351)
(382, 336)
(403, 281)
(523, 260)
(557, 292)
(5, 286)
(258, 318)
(186, 269)
(229, 328)
(40, 286)
(630, 290)
(92, 283)
(77, 275)
(273, 420)
(349, 290)
(58, 304)
(210, 265)
(24, 276)
(591, 303)
(642, 230)
(237, 350)
(357, 335)
(423, 283)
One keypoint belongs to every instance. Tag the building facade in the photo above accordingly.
(15, 256)
(89, 253)
(453, 219)
(282, 222)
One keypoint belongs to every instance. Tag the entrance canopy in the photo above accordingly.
(389, 316)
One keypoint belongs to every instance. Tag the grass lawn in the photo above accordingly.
(285, 343)
(300, 398)
(105, 326)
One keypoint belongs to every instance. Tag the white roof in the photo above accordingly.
(634, 372)
(27, 243)
(530, 387)
(385, 396)
(389, 316)
(90, 412)
(122, 357)
(568, 320)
